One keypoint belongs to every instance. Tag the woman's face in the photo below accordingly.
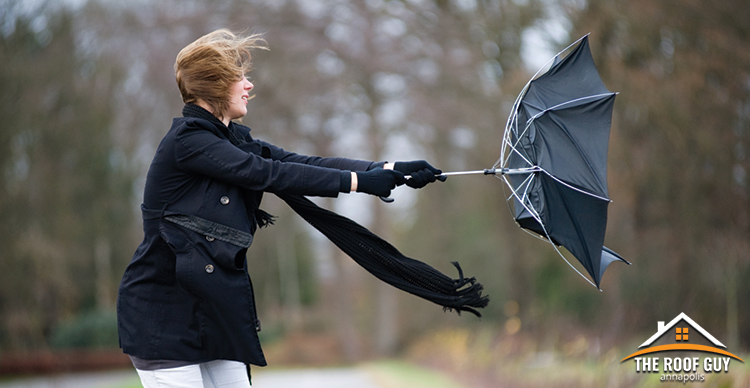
(239, 93)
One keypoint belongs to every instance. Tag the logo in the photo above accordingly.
(682, 334)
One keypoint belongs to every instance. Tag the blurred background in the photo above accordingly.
(87, 91)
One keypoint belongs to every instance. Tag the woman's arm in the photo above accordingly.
(200, 151)
(278, 153)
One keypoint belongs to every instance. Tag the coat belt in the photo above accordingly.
(196, 224)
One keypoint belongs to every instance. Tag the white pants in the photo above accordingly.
(213, 374)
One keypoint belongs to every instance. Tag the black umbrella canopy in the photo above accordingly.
(558, 137)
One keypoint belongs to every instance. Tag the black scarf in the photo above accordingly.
(374, 254)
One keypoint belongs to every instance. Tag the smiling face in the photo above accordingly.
(210, 72)
(239, 93)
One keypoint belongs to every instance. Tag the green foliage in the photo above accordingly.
(65, 208)
(94, 329)
(564, 294)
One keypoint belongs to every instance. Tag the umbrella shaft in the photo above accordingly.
(487, 171)
(492, 171)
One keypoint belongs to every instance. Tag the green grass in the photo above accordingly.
(136, 383)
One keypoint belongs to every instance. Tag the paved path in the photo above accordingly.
(314, 378)
(297, 378)
(112, 379)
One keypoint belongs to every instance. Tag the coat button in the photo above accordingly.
(209, 238)
(209, 268)
(224, 200)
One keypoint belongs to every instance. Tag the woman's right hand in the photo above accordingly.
(378, 181)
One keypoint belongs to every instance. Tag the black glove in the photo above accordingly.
(421, 173)
(379, 182)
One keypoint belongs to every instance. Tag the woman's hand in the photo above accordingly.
(377, 181)
(420, 171)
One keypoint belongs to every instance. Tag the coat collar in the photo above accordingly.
(233, 133)
(193, 110)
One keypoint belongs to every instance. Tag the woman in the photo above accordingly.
(186, 311)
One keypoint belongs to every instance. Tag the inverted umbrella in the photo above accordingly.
(554, 158)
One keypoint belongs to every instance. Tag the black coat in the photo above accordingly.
(186, 294)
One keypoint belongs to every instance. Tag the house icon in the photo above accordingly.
(684, 331)
(681, 333)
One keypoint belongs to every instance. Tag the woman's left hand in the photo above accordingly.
(421, 173)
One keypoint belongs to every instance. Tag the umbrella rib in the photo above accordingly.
(522, 199)
(517, 152)
(514, 110)
(533, 118)
(513, 119)
(558, 180)
(513, 146)
(569, 264)
(591, 97)
(509, 209)
(534, 213)
(557, 55)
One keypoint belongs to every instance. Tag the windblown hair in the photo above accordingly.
(207, 68)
